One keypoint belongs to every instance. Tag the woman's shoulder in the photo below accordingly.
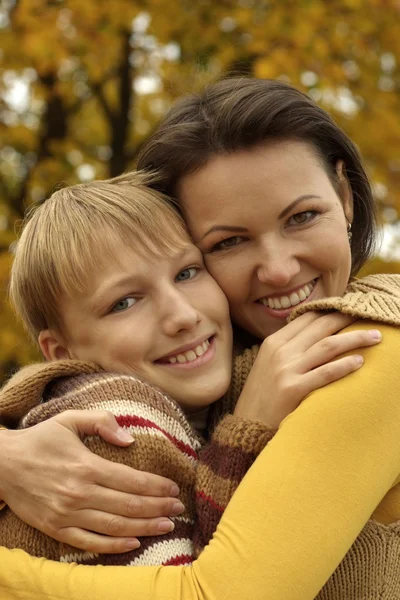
(375, 298)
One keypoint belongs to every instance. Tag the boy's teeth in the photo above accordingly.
(287, 301)
(190, 355)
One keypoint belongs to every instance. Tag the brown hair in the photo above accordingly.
(64, 239)
(239, 113)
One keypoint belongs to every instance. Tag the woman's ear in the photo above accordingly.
(345, 191)
(52, 345)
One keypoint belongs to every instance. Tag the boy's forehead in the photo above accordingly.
(123, 262)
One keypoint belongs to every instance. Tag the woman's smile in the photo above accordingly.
(280, 306)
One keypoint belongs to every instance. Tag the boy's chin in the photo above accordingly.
(200, 401)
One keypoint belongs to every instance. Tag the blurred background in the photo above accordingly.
(84, 82)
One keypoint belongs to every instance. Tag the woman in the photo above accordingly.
(300, 249)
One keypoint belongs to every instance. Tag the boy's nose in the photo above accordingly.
(179, 314)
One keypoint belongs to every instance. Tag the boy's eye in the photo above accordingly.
(188, 273)
(123, 304)
(302, 218)
(228, 243)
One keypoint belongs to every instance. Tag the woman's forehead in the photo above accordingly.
(258, 179)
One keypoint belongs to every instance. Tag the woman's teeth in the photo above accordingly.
(288, 301)
(190, 355)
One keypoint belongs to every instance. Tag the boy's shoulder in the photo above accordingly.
(42, 390)
(26, 387)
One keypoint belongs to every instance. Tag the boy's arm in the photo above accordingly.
(224, 461)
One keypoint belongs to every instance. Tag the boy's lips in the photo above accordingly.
(187, 353)
(190, 359)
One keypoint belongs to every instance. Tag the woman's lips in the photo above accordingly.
(304, 294)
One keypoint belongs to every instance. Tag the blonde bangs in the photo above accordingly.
(72, 233)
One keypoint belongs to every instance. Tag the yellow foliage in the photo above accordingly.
(84, 61)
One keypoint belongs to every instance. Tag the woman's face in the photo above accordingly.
(272, 228)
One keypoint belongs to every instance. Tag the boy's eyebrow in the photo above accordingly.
(136, 281)
(119, 282)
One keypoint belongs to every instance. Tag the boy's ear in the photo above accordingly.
(52, 345)
(345, 191)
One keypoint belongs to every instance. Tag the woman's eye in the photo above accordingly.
(123, 304)
(302, 218)
(188, 273)
(228, 243)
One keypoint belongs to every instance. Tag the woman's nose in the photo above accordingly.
(277, 266)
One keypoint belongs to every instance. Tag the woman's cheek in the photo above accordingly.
(231, 275)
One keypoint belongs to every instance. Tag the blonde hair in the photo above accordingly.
(63, 238)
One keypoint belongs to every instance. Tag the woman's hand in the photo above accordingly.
(54, 483)
(297, 360)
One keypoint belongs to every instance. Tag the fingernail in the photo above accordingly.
(124, 436)
(133, 544)
(177, 508)
(174, 490)
(375, 334)
(165, 526)
(359, 359)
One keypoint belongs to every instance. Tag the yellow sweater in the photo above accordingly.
(294, 516)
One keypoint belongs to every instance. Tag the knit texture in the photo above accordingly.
(370, 570)
(165, 444)
(376, 298)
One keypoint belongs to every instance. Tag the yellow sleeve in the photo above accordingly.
(2, 503)
(291, 520)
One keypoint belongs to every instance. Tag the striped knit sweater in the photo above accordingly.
(165, 444)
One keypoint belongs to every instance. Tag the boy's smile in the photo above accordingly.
(163, 319)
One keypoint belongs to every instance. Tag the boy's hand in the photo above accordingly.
(54, 483)
(298, 359)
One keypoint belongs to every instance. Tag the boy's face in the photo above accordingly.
(162, 319)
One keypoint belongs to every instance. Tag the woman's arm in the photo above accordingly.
(271, 381)
(291, 520)
(54, 483)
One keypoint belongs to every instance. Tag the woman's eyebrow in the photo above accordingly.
(224, 228)
(290, 207)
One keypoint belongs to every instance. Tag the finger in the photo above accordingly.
(317, 330)
(99, 422)
(122, 478)
(128, 505)
(117, 526)
(331, 347)
(330, 372)
(98, 544)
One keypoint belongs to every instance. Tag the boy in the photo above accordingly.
(107, 279)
